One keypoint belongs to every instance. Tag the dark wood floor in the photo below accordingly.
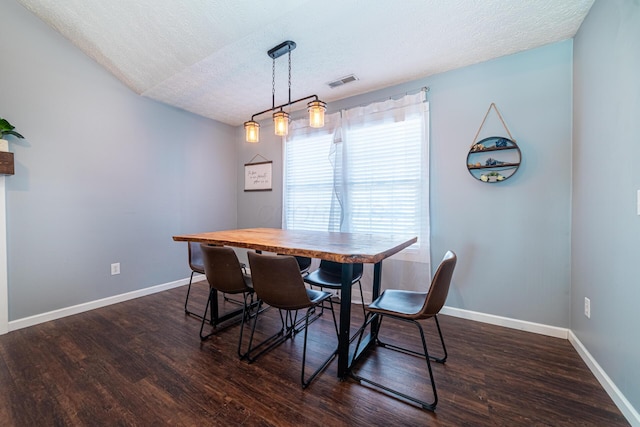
(141, 362)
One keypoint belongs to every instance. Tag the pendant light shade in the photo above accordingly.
(281, 123)
(252, 131)
(316, 113)
(316, 108)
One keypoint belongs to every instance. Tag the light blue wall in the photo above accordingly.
(103, 176)
(512, 238)
(606, 177)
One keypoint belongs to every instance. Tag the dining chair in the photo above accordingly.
(329, 275)
(196, 264)
(411, 306)
(278, 283)
(304, 264)
(224, 274)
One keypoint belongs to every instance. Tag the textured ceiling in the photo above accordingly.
(209, 56)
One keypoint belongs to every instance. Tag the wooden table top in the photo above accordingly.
(340, 247)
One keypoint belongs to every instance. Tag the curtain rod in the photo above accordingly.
(426, 90)
(394, 96)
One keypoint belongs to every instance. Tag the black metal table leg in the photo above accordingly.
(369, 340)
(375, 293)
(345, 321)
(213, 307)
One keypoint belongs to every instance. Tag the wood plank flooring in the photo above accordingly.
(141, 363)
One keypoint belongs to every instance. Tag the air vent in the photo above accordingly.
(342, 81)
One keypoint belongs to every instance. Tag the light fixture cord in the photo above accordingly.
(273, 84)
(289, 77)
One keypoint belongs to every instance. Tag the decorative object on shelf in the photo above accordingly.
(6, 158)
(480, 161)
(316, 108)
(257, 175)
(7, 129)
(493, 162)
(491, 177)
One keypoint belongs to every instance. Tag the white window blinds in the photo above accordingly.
(308, 177)
(384, 178)
(309, 184)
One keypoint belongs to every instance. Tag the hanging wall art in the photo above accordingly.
(496, 158)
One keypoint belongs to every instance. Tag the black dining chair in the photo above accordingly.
(329, 276)
(197, 266)
(224, 274)
(278, 283)
(411, 306)
(304, 264)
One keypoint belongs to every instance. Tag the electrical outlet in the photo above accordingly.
(115, 268)
(587, 307)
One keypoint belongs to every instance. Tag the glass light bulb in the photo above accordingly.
(316, 113)
(252, 131)
(281, 123)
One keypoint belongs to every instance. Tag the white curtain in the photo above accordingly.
(366, 171)
(381, 171)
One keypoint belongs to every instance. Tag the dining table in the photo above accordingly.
(344, 248)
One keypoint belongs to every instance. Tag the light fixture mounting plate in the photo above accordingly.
(281, 49)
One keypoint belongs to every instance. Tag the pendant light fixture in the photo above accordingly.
(316, 113)
(316, 108)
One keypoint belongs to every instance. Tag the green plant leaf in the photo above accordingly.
(7, 129)
(12, 132)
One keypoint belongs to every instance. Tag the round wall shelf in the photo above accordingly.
(493, 159)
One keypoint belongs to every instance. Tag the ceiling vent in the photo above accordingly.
(342, 81)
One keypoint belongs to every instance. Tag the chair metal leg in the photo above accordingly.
(204, 317)
(305, 383)
(289, 328)
(246, 314)
(231, 300)
(186, 301)
(335, 323)
(364, 311)
(430, 406)
(442, 359)
(216, 319)
(267, 344)
(444, 348)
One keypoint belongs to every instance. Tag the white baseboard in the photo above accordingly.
(629, 412)
(92, 305)
(523, 325)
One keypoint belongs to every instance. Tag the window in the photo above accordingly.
(309, 184)
(366, 173)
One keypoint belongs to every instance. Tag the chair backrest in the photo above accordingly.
(195, 257)
(335, 269)
(439, 286)
(223, 270)
(304, 263)
(277, 281)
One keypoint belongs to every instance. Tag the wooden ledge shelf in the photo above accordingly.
(501, 165)
(6, 163)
